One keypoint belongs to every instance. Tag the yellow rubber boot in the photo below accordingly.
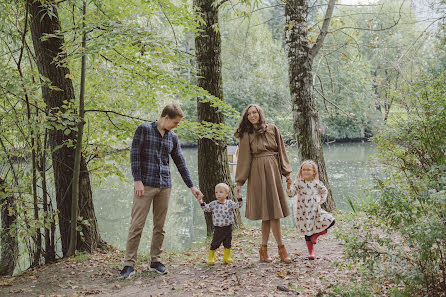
(211, 259)
(227, 256)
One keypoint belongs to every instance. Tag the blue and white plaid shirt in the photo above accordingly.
(149, 157)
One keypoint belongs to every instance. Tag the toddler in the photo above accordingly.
(309, 193)
(222, 218)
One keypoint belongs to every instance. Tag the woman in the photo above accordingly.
(262, 161)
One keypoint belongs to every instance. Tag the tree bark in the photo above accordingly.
(78, 152)
(300, 60)
(9, 246)
(50, 249)
(213, 167)
(45, 20)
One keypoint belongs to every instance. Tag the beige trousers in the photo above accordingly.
(141, 207)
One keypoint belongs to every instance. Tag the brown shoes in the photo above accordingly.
(263, 253)
(283, 254)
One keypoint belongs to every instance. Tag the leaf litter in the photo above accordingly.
(189, 275)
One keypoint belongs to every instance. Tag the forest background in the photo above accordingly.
(379, 74)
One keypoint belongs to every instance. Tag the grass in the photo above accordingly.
(81, 257)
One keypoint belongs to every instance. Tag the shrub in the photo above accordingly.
(402, 240)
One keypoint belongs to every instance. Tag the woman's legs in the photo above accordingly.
(263, 252)
(275, 227)
(266, 227)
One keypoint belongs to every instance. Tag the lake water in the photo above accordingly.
(348, 173)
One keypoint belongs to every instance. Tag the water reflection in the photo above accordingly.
(185, 224)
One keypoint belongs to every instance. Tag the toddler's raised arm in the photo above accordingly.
(206, 207)
(239, 203)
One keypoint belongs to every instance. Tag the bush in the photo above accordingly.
(402, 240)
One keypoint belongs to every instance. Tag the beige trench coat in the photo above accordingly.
(262, 161)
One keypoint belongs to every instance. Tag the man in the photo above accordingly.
(152, 144)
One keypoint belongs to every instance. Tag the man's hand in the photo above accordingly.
(139, 188)
(238, 191)
(197, 193)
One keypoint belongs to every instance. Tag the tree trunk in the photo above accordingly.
(213, 167)
(9, 246)
(44, 20)
(300, 59)
(78, 152)
(50, 249)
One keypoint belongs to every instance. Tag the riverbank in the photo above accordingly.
(189, 275)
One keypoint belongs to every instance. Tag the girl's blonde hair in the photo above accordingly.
(315, 170)
(224, 186)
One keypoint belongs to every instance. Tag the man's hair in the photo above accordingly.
(224, 186)
(172, 111)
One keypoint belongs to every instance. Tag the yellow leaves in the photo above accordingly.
(283, 273)
(69, 76)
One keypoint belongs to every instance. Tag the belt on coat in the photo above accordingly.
(265, 154)
(268, 154)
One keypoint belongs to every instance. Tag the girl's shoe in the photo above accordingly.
(263, 253)
(310, 250)
(283, 254)
(211, 258)
(227, 256)
(315, 236)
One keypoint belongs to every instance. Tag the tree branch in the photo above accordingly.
(117, 113)
(334, 104)
(320, 39)
(375, 30)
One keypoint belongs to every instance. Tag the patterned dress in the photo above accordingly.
(308, 197)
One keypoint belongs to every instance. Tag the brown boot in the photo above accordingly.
(283, 254)
(263, 253)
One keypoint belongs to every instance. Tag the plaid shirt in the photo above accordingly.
(149, 157)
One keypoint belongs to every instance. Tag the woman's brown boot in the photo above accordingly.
(263, 253)
(283, 254)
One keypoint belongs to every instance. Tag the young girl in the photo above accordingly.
(309, 193)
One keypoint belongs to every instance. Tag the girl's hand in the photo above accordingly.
(238, 191)
(289, 181)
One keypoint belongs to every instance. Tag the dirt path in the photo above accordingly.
(189, 275)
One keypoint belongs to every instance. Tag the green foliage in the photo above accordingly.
(254, 66)
(403, 237)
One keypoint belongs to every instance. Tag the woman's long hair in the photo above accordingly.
(245, 126)
(313, 164)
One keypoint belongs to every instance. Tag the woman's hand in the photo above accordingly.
(238, 191)
(289, 181)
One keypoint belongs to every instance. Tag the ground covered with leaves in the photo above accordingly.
(189, 275)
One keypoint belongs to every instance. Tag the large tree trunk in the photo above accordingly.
(213, 165)
(9, 245)
(300, 59)
(44, 20)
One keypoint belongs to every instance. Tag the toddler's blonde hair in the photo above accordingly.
(224, 186)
